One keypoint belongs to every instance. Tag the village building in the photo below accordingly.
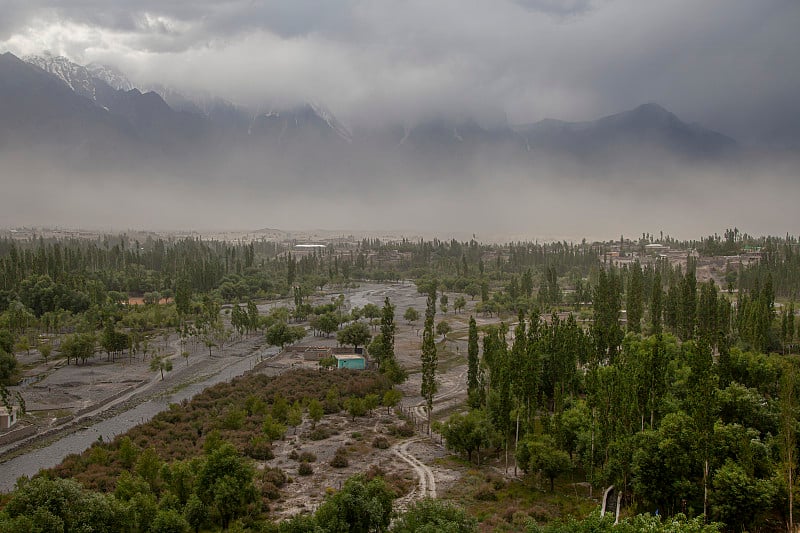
(350, 360)
(8, 418)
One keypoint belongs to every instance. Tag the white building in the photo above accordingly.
(8, 419)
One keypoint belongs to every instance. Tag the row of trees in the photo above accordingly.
(688, 424)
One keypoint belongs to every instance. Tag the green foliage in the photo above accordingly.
(636, 524)
(428, 386)
(541, 455)
(128, 452)
(360, 507)
(225, 483)
(169, 521)
(434, 516)
(8, 367)
(161, 364)
(78, 346)
(472, 357)
(355, 407)
(6, 341)
(195, 512)
(61, 504)
(411, 315)
(468, 433)
(443, 328)
(315, 411)
(281, 334)
(356, 334)
(391, 398)
(737, 497)
(272, 428)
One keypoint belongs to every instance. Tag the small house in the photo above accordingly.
(8, 419)
(350, 360)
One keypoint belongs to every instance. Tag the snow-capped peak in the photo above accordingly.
(81, 79)
(77, 77)
(110, 75)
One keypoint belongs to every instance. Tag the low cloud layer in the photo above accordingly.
(729, 64)
(495, 202)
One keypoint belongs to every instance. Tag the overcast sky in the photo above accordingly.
(730, 64)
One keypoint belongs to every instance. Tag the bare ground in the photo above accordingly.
(57, 390)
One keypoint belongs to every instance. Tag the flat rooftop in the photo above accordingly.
(348, 356)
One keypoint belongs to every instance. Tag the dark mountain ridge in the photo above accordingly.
(69, 108)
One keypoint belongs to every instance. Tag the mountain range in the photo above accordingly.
(94, 112)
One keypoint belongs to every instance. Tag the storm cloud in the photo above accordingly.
(729, 64)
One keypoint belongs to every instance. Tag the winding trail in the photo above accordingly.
(446, 398)
(426, 488)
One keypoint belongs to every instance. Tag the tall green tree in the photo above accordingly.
(606, 330)
(688, 303)
(656, 306)
(634, 304)
(428, 386)
(472, 358)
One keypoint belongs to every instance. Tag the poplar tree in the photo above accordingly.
(429, 358)
(634, 303)
(656, 305)
(688, 304)
(389, 365)
(472, 358)
(606, 330)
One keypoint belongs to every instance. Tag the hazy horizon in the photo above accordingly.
(728, 65)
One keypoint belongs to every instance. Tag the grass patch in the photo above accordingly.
(501, 504)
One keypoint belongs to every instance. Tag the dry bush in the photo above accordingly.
(380, 442)
(339, 459)
(319, 433)
(274, 475)
(178, 433)
(270, 491)
(404, 430)
(307, 457)
(485, 493)
(259, 448)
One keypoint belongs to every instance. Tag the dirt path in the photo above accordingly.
(426, 488)
(452, 394)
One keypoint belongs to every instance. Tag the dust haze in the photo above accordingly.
(496, 200)
(730, 65)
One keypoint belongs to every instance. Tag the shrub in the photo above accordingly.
(319, 433)
(485, 493)
(305, 469)
(270, 491)
(307, 457)
(340, 459)
(276, 476)
(374, 471)
(259, 448)
(380, 442)
(406, 430)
